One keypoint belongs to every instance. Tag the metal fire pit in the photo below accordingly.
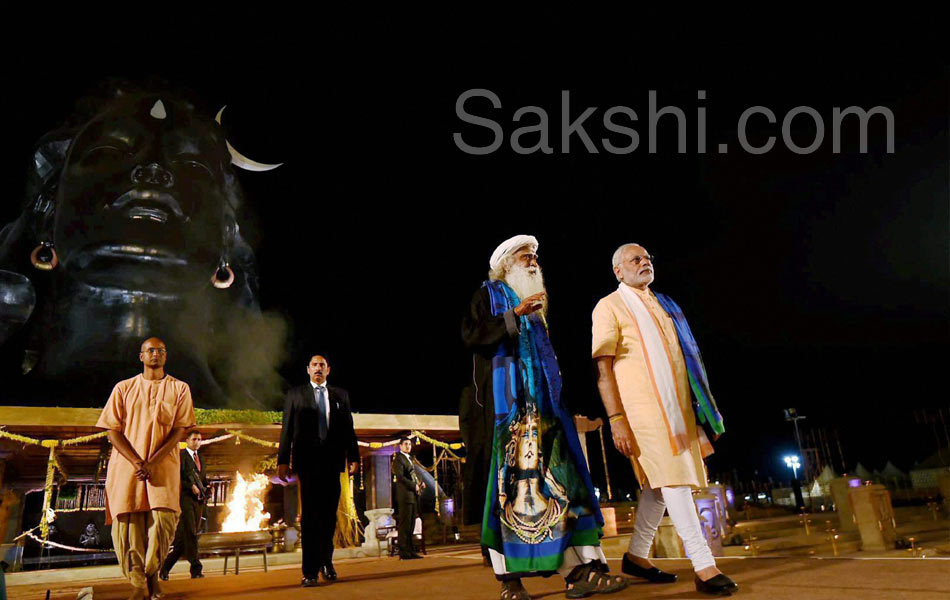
(234, 543)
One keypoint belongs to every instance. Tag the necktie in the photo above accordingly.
(319, 393)
(197, 461)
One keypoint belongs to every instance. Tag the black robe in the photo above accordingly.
(482, 333)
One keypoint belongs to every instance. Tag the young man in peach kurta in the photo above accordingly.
(150, 414)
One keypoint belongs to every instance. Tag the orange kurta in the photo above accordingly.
(146, 411)
(615, 333)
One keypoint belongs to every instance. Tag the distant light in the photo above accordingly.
(748, 497)
(854, 483)
(792, 463)
(597, 492)
(761, 496)
(730, 496)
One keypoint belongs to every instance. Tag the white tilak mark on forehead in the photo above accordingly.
(158, 110)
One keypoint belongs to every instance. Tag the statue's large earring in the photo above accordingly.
(223, 276)
(44, 257)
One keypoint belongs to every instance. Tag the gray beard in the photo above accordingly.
(525, 283)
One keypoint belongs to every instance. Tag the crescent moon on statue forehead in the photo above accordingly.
(238, 159)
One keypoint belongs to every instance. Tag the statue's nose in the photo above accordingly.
(152, 174)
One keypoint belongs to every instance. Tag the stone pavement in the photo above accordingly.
(458, 573)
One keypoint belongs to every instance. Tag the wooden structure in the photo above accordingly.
(23, 466)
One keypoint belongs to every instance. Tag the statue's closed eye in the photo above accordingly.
(195, 167)
(105, 153)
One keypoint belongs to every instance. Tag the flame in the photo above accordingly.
(245, 509)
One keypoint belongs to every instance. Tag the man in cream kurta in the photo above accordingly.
(644, 383)
(146, 416)
(617, 334)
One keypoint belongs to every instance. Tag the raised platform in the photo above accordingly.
(84, 419)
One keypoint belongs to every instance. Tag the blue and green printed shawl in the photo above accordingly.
(705, 406)
(529, 380)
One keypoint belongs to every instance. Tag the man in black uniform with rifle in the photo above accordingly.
(193, 496)
(408, 489)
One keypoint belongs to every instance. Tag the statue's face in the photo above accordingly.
(141, 199)
(528, 446)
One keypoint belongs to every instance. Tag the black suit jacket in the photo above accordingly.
(191, 475)
(298, 435)
(403, 470)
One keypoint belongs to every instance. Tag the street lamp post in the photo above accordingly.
(792, 463)
(792, 415)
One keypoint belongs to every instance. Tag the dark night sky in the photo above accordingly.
(817, 281)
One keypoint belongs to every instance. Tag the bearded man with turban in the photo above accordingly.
(525, 475)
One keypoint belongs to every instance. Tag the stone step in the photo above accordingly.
(798, 544)
(822, 549)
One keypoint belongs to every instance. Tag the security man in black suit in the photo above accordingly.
(192, 497)
(408, 489)
(318, 436)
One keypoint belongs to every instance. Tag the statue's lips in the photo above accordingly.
(146, 254)
(151, 205)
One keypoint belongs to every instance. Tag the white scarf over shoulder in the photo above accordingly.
(660, 364)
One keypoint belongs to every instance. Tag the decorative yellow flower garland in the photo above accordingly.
(52, 465)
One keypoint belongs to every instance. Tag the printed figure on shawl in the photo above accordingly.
(533, 503)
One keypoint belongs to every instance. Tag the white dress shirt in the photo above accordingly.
(193, 453)
(326, 397)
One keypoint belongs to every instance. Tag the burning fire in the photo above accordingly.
(246, 508)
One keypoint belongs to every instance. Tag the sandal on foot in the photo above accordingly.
(513, 590)
(592, 578)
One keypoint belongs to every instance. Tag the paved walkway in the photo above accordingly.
(459, 575)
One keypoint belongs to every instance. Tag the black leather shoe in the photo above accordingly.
(163, 575)
(197, 575)
(329, 573)
(309, 582)
(410, 557)
(653, 575)
(720, 585)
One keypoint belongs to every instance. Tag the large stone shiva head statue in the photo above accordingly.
(129, 230)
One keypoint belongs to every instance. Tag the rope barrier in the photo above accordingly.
(50, 544)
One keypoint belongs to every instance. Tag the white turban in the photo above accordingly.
(510, 245)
